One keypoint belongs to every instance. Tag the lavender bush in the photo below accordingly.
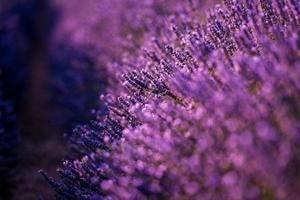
(77, 73)
(207, 111)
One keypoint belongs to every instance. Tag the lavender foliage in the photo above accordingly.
(208, 111)
(77, 77)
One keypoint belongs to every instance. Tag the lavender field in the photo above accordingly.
(150, 99)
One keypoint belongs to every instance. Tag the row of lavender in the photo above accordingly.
(208, 111)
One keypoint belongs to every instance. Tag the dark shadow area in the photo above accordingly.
(46, 88)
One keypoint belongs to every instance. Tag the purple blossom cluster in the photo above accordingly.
(204, 110)
(238, 137)
(77, 69)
